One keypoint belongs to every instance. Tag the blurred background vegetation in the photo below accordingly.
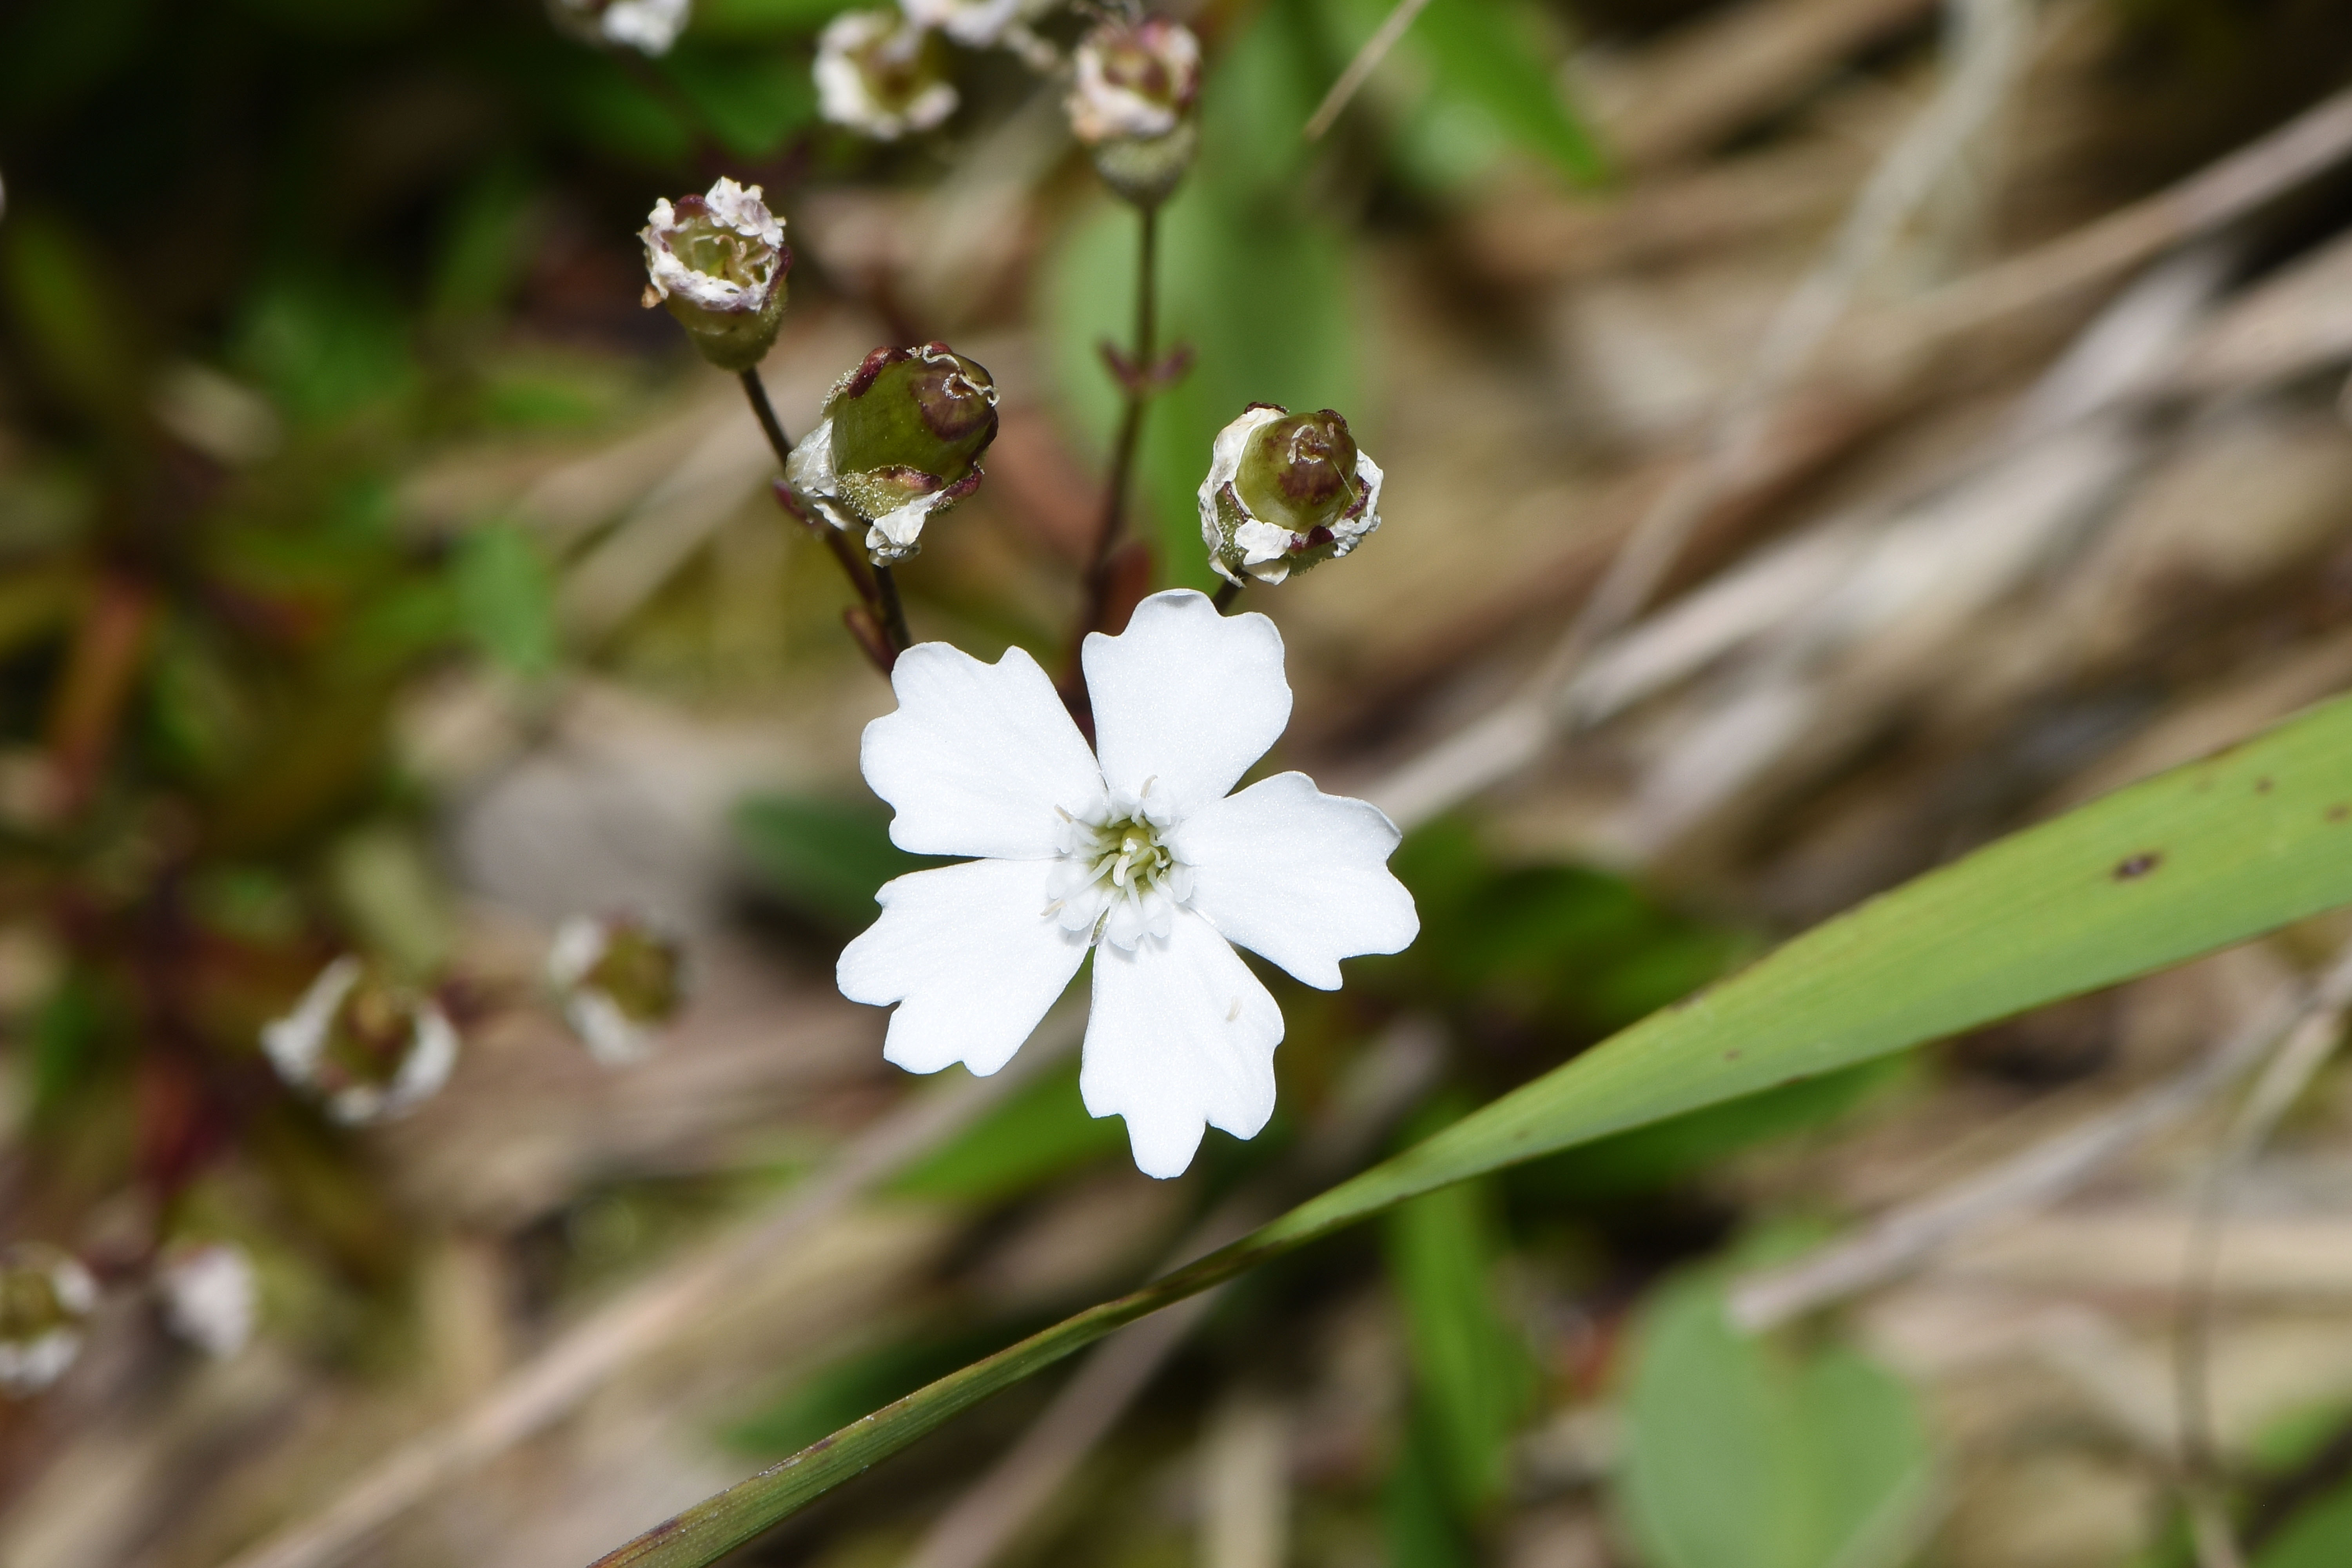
(376, 575)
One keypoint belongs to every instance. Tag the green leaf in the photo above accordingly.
(1473, 1376)
(2319, 1537)
(1482, 54)
(507, 599)
(1041, 1133)
(752, 100)
(1738, 1455)
(824, 859)
(2207, 854)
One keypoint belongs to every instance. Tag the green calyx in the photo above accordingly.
(642, 970)
(1298, 473)
(908, 422)
(731, 339)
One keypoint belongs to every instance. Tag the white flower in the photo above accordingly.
(882, 75)
(209, 1297)
(1135, 850)
(45, 1298)
(649, 26)
(1285, 492)
(370, 1050)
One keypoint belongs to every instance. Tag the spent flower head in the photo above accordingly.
(719, 261)
(1134, 850)
(1131, 102)
(365, 1046)
(210, 1296)
(649, 26)
(882, 75)
(619, 979)
(1285, 491)
(900, 439)
(46, 1300)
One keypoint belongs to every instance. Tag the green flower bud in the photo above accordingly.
(366, 1046)
(719, 261)
(1131, 104)
(619, 981)
(1285, 491)
(45, 1298)
(900, 439)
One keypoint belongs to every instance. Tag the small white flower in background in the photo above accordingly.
(1285, 491)
(210, 1296)
(1134, 850)
(719, 261)
(881, 75)
(619, 981)
(649, 26)
(46, 1300)
(368, 1049)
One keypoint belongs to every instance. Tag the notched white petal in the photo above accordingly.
(1182, 1038)
(1186, 697)
(1299, 877)
(969, 958)
(978, 758)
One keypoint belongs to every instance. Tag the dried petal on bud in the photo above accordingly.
(210, 1296)
(366, 1046)
(975, 24)
(1285, 491)
(1131, 104)
(649, 26)
(882, 75)
(46, 1299)
(900, 439)
(619, 979)
(719, 261)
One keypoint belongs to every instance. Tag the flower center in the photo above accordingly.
(1117, 881)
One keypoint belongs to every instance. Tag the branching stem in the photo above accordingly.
(874, 587)
(1141, 384)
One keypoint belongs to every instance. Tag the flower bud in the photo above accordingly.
(1285, 491)
(649, 26)
(368, 1047)
(46, 1299)
(900, 439)
(209, 1295)
(882, 75)
(1131, 104)
(719, 261)
(619, 981)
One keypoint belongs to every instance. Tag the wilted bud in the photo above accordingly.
(619, 981)
(1285, 491)
(209, 1295)
(1131, 104)
(900, 439)
(719, 261)
(649, 26)
(882, 75)
(367, 1047)
(45, 1298)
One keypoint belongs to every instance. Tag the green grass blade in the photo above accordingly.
(2199, 858)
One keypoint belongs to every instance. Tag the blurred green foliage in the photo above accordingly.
(1747, 1452)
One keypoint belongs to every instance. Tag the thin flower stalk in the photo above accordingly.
(879, 602)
